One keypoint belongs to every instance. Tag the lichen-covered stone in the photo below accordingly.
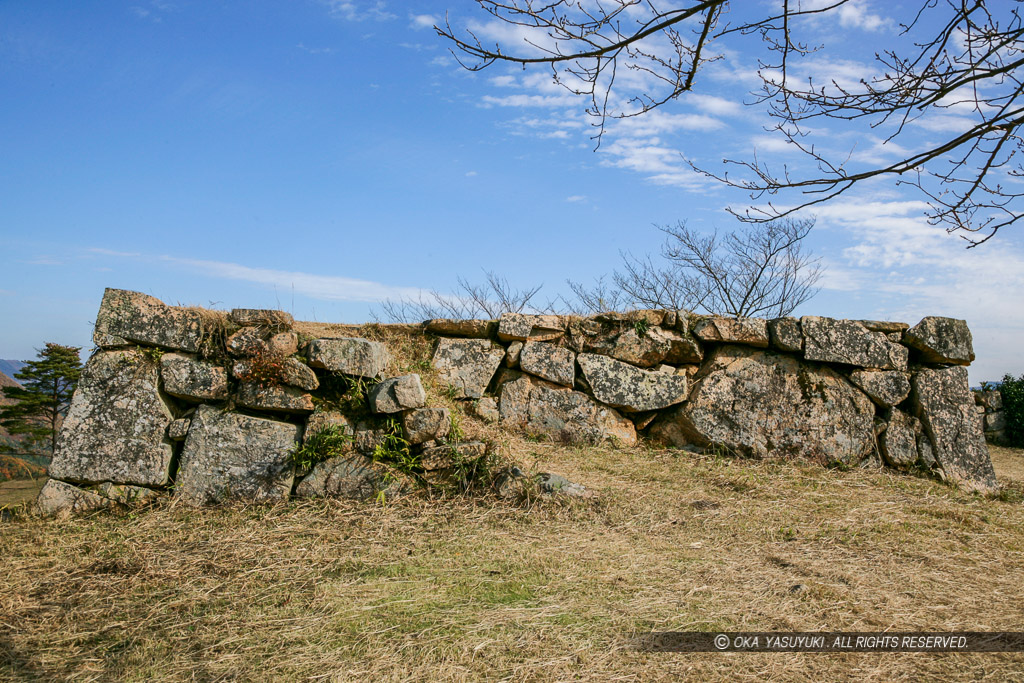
(748, 331)
(556, 485)
(125, 494)
(116, 428)
(765, 404)
(466, 365)
(60, 499)
(523, 327)
(232, 456)
(274, 397)
(574, 417)
(850, 343)
(193, 380)
(941, 340)
(349, 356)
(995, 422)
(348, 476)
(286, 370)
(397, 394)
(283, 344)
(991, 399)
(512, 354)
(127, 317)
(246, 342)
(885, 387)
(449, 455)
(261, 317)
(553, 363)
(486, 409)
(943, 403)
(426, 424)
(474, 329)
(621, 385)
(178, 429)
(321, 419)
(884, 326)
(514, 403)
(785, 335)
(898, 442)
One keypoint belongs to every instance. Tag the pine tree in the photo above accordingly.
(44, 397)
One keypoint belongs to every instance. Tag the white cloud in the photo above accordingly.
(351, 10)
(522, 100)
(470, 174)
(576, 198)
(852, 14)
(315, 50)
(423, 20)
(716, 106)
(323, 287)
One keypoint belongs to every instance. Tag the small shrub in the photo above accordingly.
(394, 450)
(325, 444)
(1013, 406)
(265, 368)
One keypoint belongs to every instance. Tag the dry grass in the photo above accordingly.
(466, 589)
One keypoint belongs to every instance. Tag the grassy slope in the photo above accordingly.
(464, 590)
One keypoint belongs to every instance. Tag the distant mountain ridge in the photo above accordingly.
(9, 367)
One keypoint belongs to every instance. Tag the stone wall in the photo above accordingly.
(989, 406)
(208, 407)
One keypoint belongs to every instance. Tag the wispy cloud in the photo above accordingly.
(421, 21)
(576, 198)
(315, 50)
(353, 10)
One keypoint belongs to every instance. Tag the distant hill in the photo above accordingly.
(9, 367)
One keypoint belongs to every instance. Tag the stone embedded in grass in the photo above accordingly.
(556, 485)
(116, 428)
(447, 456)
(347, 476)
(261, 317)
(278, 398)
(850, 343)
(749, 331)
(58, 498)
(945, 406)
(349, 356)
(550, 362)
(127, 317)
(466, 365)
(885, 387)
(321, 419)
(193, 380)
(485, 408)
(621, 385)
(898, 442)
(233, 456)
(426, 424)
(396, 394)
(941, 340)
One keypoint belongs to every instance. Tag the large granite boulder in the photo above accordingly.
(475, 329)
(349, 356)
(764, 404)
(348, 476)
(944, 404)
(523, 327)
(941, 340)
(850, 343)
(467, 365)
(193, 380)
(621, 385)
(885, 387)
(116, 428)
(232, 456)
(127, 317)
(748, 331)
(561, 414)
(553, 363)
(396, 394)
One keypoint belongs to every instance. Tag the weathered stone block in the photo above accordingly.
(523, 327)
(178, 429)
(574, 417)
(898, 442)
(261, 317)
(284, 370)
(785, 334)
(274, 397)
(748, 331)
(486, 409)
(127, 317)
(475, 329)
(349, 476)
(246, 342)
(553, 363)
(283, 344)
(426, 424)
(322, 419)
(995, 422)
(941, 340)
(885, 387)
(621, 385)
(884, 326)
(850, 343)
(943, 402)
(397, 394)
(764, 404)
(349, 356)
(512, 353)
(231, 456)
(60, 499)
(116, 428)
(449, 455)
(467, 365)
(193, 380)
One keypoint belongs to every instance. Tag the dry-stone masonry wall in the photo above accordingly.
(989, 406)
(178, 401)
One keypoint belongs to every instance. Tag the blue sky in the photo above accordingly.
(320, 156)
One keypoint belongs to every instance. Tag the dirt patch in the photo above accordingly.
(1008, 462)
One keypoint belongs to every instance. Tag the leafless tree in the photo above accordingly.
(488, 300)
(964, 56)
(759, 271)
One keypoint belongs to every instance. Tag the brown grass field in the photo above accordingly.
(466, 589)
